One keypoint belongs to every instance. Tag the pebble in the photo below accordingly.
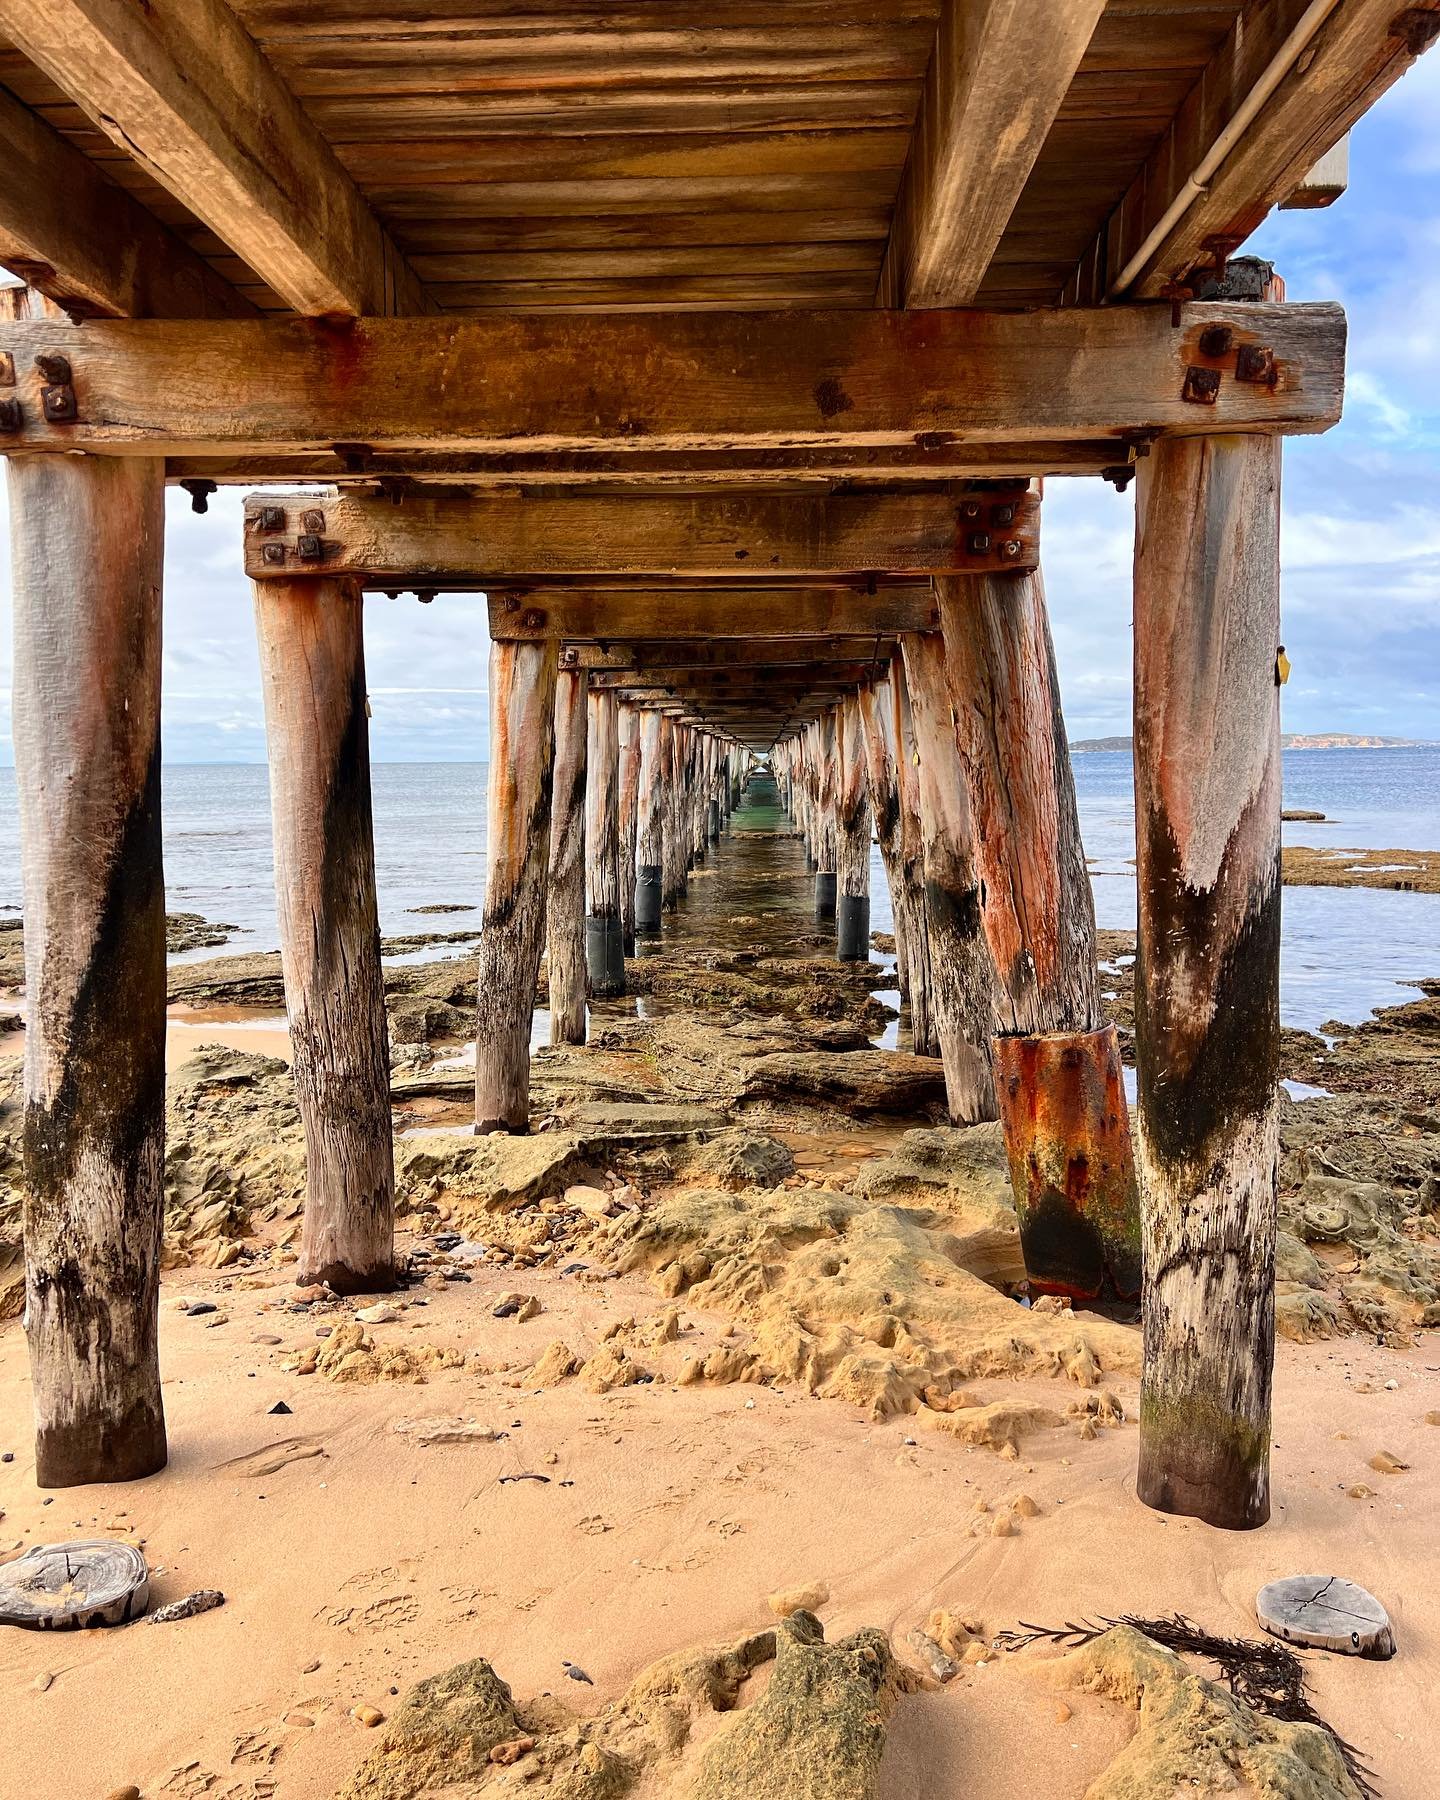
(298, 1718)
(9, 1455)
(576, 1673)
(203, 1600)
(808, 1598)
(1385, 1462)
(43, 1680)
(1391, 1386)
(382, 1313)
(267, 1337)
(511, 1750)
(368, 1716)
(1360, 1491)
(311, 1667)
(198, 1307)
(1062, 1714)
(279, 1407)
(129, 1792)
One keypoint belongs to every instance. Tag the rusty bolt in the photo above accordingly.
(978, 543)
(1215, 340)
(272, 553)
(970, 510)
(532, 619)
(11, 417)
(54, 368)
(569, 656)
(270, 518)
(310, 547)
(57, 402)
(425, 595)
(1202, 386)
(1003, 515)
(7, 369)
(313, 520)
(1255, 362)
(1010, 548)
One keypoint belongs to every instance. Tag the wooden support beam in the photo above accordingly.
(465, 540)
(629, 732)
(998, 74)
(899, 849)
(674, 745)
(1056, 1062)
(565, 891)
(962, 975)
(650, 837)
(688, 381)
(1207, 979)
(86, 244)
(1359, 51)
(852, 835)
(182, 88)
(619, 615)
(522, 753)
(87, 538)
(650, 658)
(604, 933)
(312, 668)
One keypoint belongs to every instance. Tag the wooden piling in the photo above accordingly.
(1207, 802)
(962, 978)
(650, 835)
(629, 734)
(1069, 1153)
(565, 888)
(876, 707)
(900, 735)
(522, 749)
(312, 670)
(87, 537)
(825, 834)
(604, 936)
(673, 851)
(852, 835)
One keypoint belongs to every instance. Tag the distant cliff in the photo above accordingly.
(1315, 740)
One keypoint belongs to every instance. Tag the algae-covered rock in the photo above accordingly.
(818, 1731)
(741, 1159)
(497, 1172)
(1194, 1736)
(440, 1738)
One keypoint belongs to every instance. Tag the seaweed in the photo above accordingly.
(1262, 1673)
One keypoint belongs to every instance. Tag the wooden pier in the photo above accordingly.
(728, 350)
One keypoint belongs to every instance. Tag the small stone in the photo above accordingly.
(203, 1600)
(381, 1314)
(43, 1680)
(368, 1716)
(1391, 1386)
(1087, 1429)
(976, 1653)
(576, 1673)
(267, 1337)
(1063, 1714)
(1024, 1507)
(197, 1308)
(279, 1407)
(298, 1719)
(594, 1202)
(311, 1667)
(1360, 1491)
(809, 1598)
(511, 1750)
(128, 1792)
(1385, 1462)
(310, 1296)
(1004, 1525)
(1431, 1418)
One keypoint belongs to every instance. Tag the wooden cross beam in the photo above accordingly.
(626, 614)
(677, 381)
(679, 656)
(461, 541)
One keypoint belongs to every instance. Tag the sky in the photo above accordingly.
(1360, 546)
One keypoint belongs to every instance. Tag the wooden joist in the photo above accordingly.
(1361, 49)
(647, 659)
(182, 88)
(461, 541)
(620, 615)
(998, 74)
(702, 381)
(85, 243)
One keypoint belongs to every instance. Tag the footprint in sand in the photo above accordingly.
(270, 1458)
(379, 1615)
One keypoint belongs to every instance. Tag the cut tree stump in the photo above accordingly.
(1326, 1612)
(72, 1587)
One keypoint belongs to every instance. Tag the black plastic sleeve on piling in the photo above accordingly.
(649, 889)
(809, 861)
(714, 821)
(853, 933)
(605, 956)
(825, 895)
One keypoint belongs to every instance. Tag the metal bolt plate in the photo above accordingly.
(312, 520)
(57, 402)
(54, 368)
(1202, 386)
(309, 547)
(11, 417)
(1255, 362)
(270, 518)
(272, 553)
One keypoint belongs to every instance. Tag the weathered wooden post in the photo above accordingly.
(962, 978)
(650, 836)
(900, 735)
(852, 826)
(522, 750)
(87, 538)
(312, 669)
(1207, 1011)
(1057, 1066)
(674, 853)
(604, 936)
(565, 888)
(629, 733)
(875, 704)
(826, 832)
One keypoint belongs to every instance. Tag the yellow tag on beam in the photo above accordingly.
(1282, 667)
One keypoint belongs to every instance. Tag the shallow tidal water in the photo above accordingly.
(1344, 950)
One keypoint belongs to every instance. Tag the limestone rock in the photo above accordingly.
(818, 1731)
(1194, 1736)
(742, 1159)
(350, 1354)
(441, 1736)
(609, 1368)
(556, 1363)
(861, 1084)
(809, 1598)
(1001, 1423)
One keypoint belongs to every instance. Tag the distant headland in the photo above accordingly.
(1315, 740)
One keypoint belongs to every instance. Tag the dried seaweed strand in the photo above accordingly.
(1265, 1675)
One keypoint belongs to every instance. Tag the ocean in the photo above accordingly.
(1345, 951)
